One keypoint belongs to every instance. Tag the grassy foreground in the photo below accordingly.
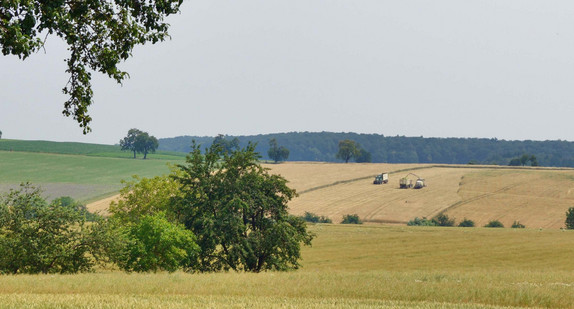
(348, 266)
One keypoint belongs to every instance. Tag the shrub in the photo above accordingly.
(517, 225)
(351, 219)
(466, 223)
(421, 222)
(313, 218)
(570, 218)
(494, 223)
(443, 220)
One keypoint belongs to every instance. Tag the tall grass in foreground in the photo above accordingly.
(348, 266)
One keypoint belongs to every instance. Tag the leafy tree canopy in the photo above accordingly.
(277, 153)
(99, 34)
(238, 211)
(570, 218)
(138, 141)
(348, 149)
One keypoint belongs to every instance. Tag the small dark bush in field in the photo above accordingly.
(517, 225)
(351, 219)
(494, 223)
(313, 218)
(443, 220)
(421, 222)
(466, 223)
(570, 219)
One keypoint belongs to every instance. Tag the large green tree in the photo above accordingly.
(348, 150)
(277, 153)
(129, 142)
(145, 144)
(99, 33)
(238, 211)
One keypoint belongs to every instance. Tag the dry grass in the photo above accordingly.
(347, 267)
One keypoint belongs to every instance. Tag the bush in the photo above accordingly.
(66, 201)
(351, 219)
(155, 244)
(443, 220)
(517, 225)
(466, 223)
(37, 237)
(421, 222)
(313, 218)
(570, 218)
(494, 223)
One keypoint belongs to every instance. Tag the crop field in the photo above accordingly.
(537, 198)
(85, 178)
(369, 266)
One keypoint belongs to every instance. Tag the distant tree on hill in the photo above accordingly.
(138, 141)
(277, 153)
(524, 160)
(129, 142)
(0, 134)
(348, 149)
(146, 144)
(363, 156)
(225, 145)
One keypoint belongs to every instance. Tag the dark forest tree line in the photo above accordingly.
(323, 146)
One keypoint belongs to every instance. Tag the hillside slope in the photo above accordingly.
(537, 198)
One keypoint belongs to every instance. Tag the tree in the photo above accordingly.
(0, 134)
(466, 223)
(99, 35)
(443, 220)
(348, 149)
(351, 219)
(37, 237)
(570, 218)
(139, 142)
(494, 223)
(224, 144)
(238, 211)
(129, 142)
(145, 144)
(277, 153)
(363, 156)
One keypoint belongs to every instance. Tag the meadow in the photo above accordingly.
(347, 267)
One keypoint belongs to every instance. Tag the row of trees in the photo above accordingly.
(323, 146)
(139, 142)
(221, 210)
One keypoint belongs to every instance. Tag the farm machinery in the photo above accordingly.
(381, 178)
(406, 183)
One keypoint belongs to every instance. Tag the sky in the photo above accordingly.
(434, 68)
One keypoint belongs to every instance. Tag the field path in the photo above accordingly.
(103, 205)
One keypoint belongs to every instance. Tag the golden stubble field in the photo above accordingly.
(536, 197)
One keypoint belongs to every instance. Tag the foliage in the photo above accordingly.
(139, 142)
(570, 218)
(421, 222)
(363, 156)
(313, 218)
(99, 35)
(517, 225)
(226, 145)
(351, 219)
(322, 146)
(68, 202)
(523, 160)
(145, 196)
(277, 153)
(443, 220)
(494, 223)
(37, 237)
(0, 134)
(348, 149)
(466, 223)
(238, 211)
(156, 244)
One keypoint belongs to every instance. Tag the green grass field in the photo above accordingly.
(85, 178)
(347, 267)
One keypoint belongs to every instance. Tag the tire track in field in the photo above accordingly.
(479, 197)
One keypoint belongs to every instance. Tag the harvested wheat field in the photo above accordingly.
(537, 197)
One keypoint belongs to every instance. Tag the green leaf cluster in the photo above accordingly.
(99, 33)
(41, 237)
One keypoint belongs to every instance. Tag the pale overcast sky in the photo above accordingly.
(437, 68)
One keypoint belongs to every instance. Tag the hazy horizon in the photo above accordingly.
(446, 68)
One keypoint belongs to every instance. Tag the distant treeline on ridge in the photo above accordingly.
(323, 146)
